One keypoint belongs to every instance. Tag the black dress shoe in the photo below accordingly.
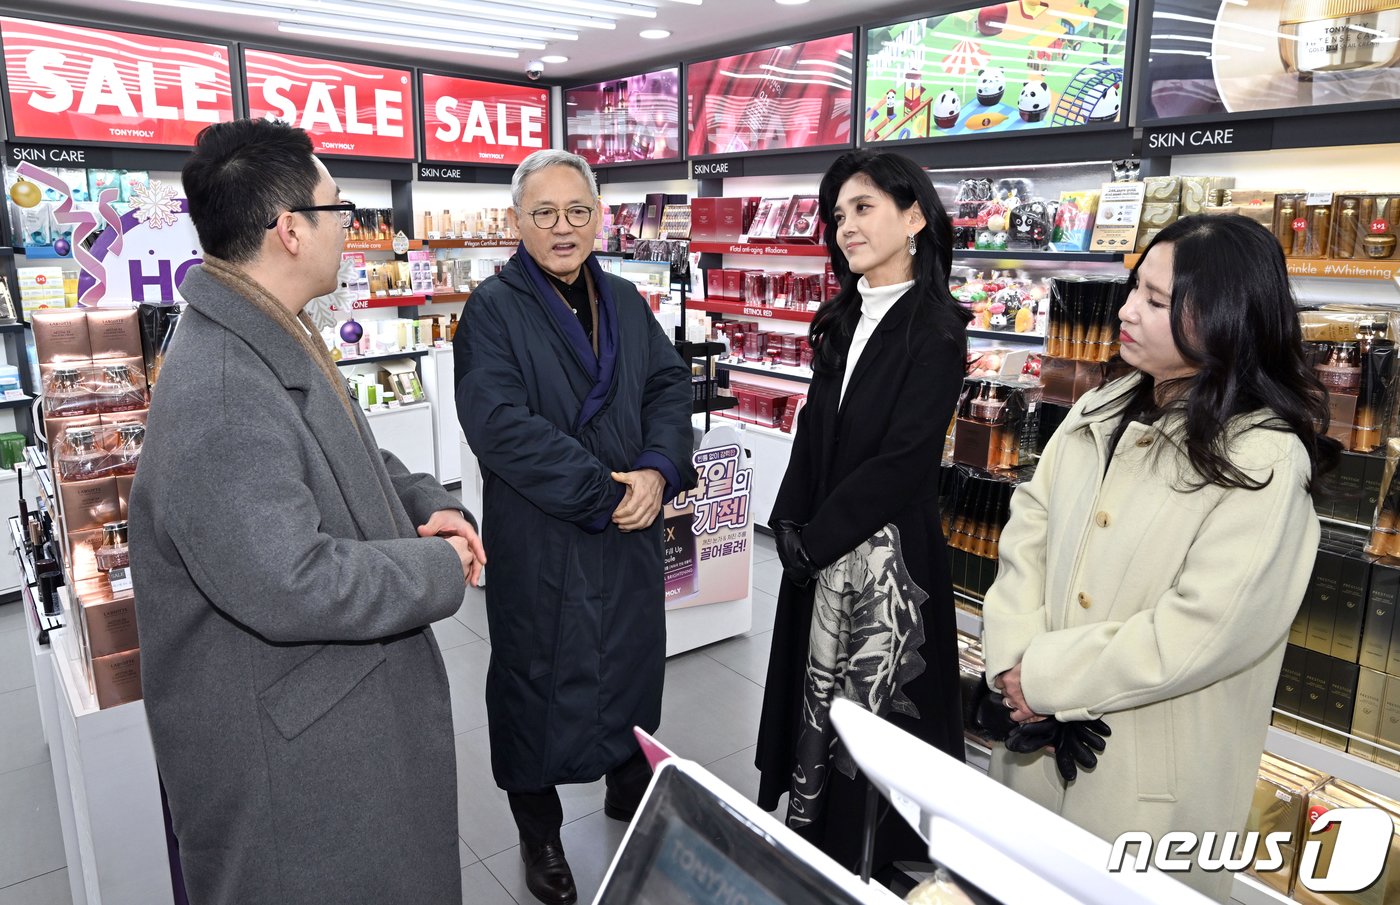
(547, 874)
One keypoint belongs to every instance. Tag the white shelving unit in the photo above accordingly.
(407, 432)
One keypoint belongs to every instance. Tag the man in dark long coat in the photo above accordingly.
(578, 408)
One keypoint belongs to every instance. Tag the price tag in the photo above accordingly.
(120, 579)
(1316, 199)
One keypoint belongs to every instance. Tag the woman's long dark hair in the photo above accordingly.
(1234, 318)
(903, 180)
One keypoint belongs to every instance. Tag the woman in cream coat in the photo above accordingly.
(1152, 566)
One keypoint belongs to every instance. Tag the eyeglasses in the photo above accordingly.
(346, 209)
(547, 217)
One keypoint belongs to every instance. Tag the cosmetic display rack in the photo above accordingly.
(104, 769)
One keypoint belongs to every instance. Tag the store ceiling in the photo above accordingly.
(699, 28)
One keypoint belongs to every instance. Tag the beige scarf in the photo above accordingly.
(299, 328)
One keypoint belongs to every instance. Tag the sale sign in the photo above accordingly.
(469, 121)
(87, 84)
(350, 109)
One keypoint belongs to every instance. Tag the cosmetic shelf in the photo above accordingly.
(386, 356)
(379, 245)
(446, 298)
(1376, 777)
(391, 409)
(1023, 339)
(758, 250)
(744, 309)
(14, 328)
(713, 404)
(759, 429)
(28, 599)
(784, 372)
(470, 243)
(390, 301)
(17, 403)
(1071, 257)
(1328, 268)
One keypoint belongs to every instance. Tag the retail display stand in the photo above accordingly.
(1006, 845)
(104, 770)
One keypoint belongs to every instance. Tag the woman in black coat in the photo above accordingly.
(866, 605)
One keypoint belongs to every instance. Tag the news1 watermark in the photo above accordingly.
(1359, 848)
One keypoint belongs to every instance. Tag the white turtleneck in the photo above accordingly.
(875, 303)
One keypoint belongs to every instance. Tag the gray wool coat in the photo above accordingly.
(296, 697)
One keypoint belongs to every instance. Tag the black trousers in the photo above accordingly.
(540, 815)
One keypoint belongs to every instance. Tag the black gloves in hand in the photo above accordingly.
(986, 712)
(1078, 742)
(1075, 742)
(797, 565)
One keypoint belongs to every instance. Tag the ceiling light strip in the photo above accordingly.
(407, 30)
(313, 31)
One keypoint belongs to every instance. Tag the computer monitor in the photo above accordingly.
(695, 841)
(1005, 844)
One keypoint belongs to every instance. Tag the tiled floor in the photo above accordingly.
(709, 714)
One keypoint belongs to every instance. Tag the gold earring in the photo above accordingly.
(913, 247)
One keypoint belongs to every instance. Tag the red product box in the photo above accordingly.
(734, 284)
(714, 284)
(748, 405)
(801, 225)
(790, 413)
(750, 209)
(729, 226)
(704, 219)
(770, 404)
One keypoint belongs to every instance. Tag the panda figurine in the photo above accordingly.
(1034, 101)
(947, 109)
(1107, 107)
(991, 85)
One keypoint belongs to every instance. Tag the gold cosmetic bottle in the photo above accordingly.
(1338, 36)
(1285, 212)
(1379, 242)
(1346, 229)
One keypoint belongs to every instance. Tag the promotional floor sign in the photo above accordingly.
(709, 530)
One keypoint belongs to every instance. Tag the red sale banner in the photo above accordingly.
(87, 84)
(350, 109)
(468, 121)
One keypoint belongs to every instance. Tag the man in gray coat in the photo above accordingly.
(287, 570)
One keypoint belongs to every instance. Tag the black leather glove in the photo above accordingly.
(1027, 738)
(1075, 743)
(797, 565)
(987, 713)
